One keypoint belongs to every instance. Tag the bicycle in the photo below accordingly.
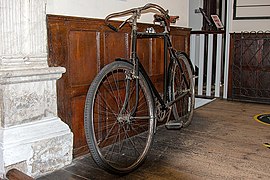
(123, 106)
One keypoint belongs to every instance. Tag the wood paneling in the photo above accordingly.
(83, 46)
(15, 174)
(77, 104)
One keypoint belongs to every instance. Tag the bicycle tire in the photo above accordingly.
(184, 107)
(118, 142)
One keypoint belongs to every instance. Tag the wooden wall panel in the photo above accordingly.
(116, 46)
(145, 54)
(158, 57)
(79, 143)
(178, 42)
(83, 46)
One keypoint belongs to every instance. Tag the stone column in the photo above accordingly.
(33, 138)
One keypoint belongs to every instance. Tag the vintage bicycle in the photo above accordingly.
(122, 104)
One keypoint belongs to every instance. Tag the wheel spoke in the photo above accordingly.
(110, 109)
(112, 93)
(129, 138)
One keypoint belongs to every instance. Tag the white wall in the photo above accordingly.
(235, 26)
(248, 25)
(101, 8)
(195, 19)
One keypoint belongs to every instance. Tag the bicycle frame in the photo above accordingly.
(168, 50)
(123, 106)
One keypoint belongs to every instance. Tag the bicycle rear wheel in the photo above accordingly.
(119, 133)
(181, 85)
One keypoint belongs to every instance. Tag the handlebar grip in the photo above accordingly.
(112, 27)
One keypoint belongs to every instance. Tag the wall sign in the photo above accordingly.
(251, 9)
(217, 21)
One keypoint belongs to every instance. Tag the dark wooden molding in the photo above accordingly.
(15, 174)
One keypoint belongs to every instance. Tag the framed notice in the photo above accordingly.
(251, 9)
(217, 21)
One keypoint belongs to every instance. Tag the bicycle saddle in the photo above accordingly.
(173, 19)
(162, 17)
(166, 19)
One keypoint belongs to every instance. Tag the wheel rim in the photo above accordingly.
(121, 139)
(182, 109)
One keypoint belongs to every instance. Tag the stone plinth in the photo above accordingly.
(33, 138)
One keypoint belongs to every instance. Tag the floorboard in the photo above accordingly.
(223, 142)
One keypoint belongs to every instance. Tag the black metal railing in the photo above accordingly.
(207, 54)
(250, 66)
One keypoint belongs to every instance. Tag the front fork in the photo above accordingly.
(131, 76)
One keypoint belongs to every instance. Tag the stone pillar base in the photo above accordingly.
(32, 137)
(36, 148)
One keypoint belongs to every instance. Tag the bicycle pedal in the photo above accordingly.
(174, 124)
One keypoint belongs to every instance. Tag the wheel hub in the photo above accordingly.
(124, 118)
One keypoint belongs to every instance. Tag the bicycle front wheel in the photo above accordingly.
(119, 129)
(181, 86)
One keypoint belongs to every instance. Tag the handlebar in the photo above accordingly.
(136, 12)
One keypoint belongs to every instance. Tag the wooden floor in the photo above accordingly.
(223, 142)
